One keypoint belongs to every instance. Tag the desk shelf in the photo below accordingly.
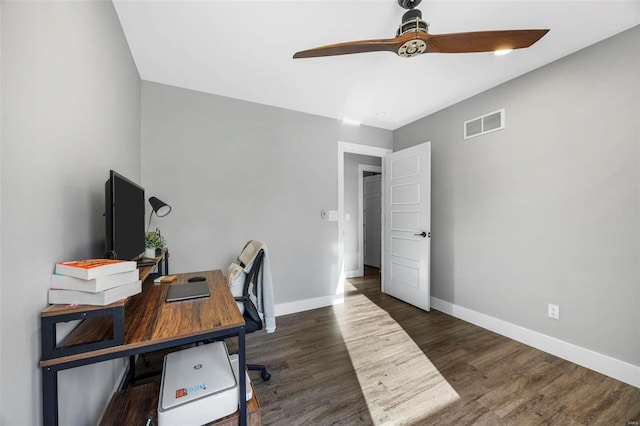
(137, 404)
(101, 327)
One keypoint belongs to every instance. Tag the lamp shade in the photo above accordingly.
(159, 207)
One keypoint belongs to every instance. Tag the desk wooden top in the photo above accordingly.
(149, 320)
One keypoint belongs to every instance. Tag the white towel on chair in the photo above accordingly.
(235, 279)
(265, 285)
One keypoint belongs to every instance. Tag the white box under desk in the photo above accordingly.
(198, 386)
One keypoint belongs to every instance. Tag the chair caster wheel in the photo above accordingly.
(266, 375)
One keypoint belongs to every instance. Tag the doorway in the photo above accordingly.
(370, 214)
(360, 210)
(343, 149)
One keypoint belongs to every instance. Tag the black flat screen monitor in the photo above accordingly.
(124, 218)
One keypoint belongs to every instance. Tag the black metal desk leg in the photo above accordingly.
(131, 375)
(49, 397)
(242, 368)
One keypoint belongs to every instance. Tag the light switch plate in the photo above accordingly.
(333, 215)
(554, 311)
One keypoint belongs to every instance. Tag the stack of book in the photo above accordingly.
(94, 282)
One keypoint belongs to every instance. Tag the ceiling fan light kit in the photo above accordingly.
(413, 39)
(502, 52)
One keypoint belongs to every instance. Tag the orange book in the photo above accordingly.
(89, 269)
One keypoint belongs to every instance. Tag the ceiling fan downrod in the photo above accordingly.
(408, 4)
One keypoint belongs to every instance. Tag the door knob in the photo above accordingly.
(422, 234)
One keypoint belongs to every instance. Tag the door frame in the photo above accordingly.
(353, 148)
(361, 169)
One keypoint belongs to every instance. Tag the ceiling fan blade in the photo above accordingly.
(483, 41)
(361, 46)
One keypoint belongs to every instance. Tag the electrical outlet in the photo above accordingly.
(554, 311)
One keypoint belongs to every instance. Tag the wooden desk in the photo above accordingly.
(152, 324)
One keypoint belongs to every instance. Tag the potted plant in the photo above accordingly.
(153, 243)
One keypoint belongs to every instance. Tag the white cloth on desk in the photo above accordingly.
(265, 285)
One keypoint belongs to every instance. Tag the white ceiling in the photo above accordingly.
(243, 50)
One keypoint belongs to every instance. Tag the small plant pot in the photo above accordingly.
(150, 252)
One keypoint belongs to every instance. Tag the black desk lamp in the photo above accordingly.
(159, 207)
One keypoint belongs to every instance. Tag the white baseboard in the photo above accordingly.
(307, 304)
(604, 364)
(353, 273)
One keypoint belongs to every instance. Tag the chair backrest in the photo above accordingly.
(250, 310)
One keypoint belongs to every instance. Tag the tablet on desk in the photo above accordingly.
(177, 292)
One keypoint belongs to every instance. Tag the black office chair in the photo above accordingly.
(251, 316)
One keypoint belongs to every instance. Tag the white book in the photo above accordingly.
(95, 285)
(101, 298)
(88, 269)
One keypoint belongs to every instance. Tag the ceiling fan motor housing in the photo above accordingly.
(412, 23)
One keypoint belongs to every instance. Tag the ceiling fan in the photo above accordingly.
(413, 38)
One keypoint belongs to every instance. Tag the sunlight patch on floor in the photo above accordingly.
(398, 381)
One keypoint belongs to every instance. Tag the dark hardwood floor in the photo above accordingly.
(377, 361)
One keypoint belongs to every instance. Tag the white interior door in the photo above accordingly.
(407, 227)
(371, 222)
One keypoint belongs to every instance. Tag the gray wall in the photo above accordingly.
(351, 206)
(547, 210)
(71, 111)
(235, 171)
(1, 227)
